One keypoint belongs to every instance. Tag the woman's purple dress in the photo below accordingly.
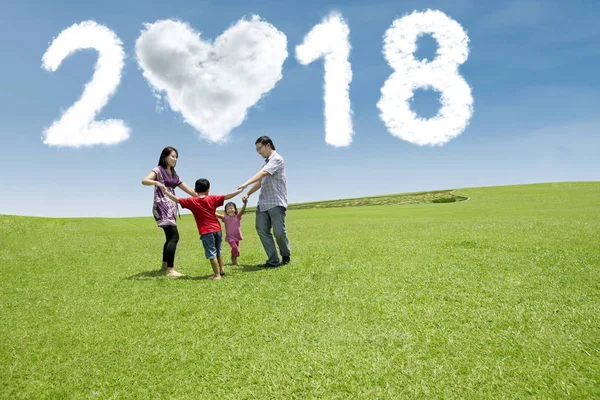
(164, 209)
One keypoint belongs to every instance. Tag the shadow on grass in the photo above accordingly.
(157, 274)
(148, 275)
(151, 275)
(249, 267)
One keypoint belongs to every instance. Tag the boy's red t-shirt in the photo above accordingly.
(204, 209)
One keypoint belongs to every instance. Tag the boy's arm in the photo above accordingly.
(233, 194)
(169, 195)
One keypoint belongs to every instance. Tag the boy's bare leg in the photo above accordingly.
(214, 263)
(221, 266)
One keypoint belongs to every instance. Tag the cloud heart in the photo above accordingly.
(212, 85)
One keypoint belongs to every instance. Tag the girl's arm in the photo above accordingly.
(243, 208)
(219, 216)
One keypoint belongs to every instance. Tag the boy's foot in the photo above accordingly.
(172, 272)
(214, 277)
(285, 260)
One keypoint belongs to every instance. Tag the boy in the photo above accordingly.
(203, 208)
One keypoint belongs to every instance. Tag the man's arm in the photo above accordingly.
(169, 195)
(252, 190)
(256, 178)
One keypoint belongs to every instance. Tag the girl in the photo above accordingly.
(233, 230)
(164, 209)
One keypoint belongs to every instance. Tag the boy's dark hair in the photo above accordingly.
(231, 203)
(202, 185)
(164, 154)
(265, 140)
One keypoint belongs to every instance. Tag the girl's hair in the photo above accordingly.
(164, 154)
(231, 203)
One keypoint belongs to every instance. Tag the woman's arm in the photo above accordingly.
(187, 189)
(150, 180)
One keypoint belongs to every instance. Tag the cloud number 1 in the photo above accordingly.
(440, 74)
(77, 126)
(329, 40)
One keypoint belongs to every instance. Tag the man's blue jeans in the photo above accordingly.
(273, 217)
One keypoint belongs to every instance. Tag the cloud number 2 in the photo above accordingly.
(77, 126)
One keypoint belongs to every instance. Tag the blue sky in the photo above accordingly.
(532, 68)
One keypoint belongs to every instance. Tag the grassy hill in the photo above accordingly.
(435, 196)
(495, 297)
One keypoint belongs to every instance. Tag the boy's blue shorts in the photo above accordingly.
(212, 244)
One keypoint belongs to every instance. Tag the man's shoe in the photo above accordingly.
(285, 260)
(267, 265)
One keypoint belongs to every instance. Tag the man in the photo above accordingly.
(272, 202)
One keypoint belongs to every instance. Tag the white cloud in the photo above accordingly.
(440, 74)
(212, 85)
(329, 39)
(77, 126)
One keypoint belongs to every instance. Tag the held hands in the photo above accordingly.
(245, 199)
(242, 186)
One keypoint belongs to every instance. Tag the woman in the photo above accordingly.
(164, 209)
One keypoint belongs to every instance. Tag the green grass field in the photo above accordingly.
(496, 297)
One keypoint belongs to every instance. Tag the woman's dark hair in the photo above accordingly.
(265, 140)
(231, 203)
(164, 154)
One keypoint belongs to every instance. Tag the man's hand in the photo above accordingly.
(242, 186)
(245, 199)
